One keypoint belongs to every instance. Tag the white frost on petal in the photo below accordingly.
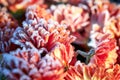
(17, 71)
(25, 77)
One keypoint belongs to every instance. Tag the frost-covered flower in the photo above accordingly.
(7, 27)
(76, 18)
(28, 64)
(40, 33)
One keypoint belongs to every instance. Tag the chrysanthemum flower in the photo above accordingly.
(28, 64)
(40, 33)
(76, 18)
(7, 27)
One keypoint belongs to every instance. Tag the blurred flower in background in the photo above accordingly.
(7, 26)
(15, 5)
(75, 18)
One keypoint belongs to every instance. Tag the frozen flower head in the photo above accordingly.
(40, 33)
(92, 72)
(7, 27)
(76, 18)
(27, 64)
(15, 5)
